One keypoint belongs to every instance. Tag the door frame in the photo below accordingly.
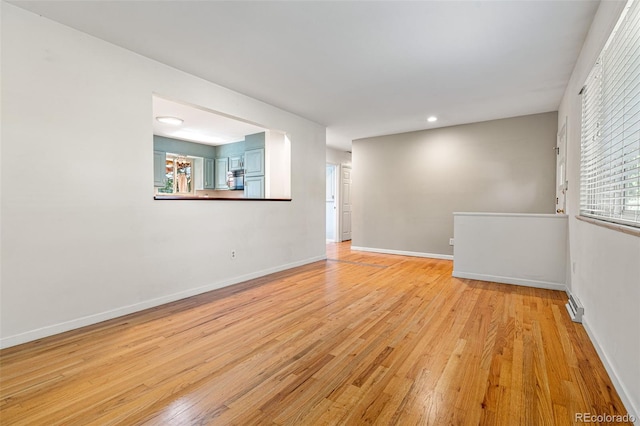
(561, 169)
(344, 166)
(336, 212)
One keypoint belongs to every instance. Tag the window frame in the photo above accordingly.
(610, 127)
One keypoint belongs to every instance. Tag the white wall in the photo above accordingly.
(277, 165)
(82, 238)
(604, 265)
(335, 156)
(523, 249)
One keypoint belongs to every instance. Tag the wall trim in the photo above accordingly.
(631, 230)
(404, 253)
(617, 383)
(62, 327)
(544, 215)
(511, 280)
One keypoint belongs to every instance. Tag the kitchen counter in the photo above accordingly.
(207, 198)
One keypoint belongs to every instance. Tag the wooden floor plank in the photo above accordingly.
(362, 338)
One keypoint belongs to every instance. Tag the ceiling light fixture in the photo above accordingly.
(174, 121)
(432, 119)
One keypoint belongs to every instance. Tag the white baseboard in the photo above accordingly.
(51, 330)
(511, 280)
(404, 253)
(620, 388)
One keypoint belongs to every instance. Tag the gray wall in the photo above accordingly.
(406, 186)
(177, 146)
(254, 141)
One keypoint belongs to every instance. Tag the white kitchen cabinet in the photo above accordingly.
(221, 169)
(254, 187)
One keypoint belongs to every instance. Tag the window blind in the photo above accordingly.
(610, 140)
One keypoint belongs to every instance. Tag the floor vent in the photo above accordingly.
(575, 309)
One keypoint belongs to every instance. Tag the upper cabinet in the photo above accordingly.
(209, 176)
(236, 162)
(221, 169)
(254, 162)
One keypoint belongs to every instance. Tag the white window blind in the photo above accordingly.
(610, 146)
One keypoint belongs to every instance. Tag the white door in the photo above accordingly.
(561, 170)
(346, 203)
(330, 203)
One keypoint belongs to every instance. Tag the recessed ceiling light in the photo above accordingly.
(432, 119)
(174, 121)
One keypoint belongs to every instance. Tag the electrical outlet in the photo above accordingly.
(450, 241)
(233, 254)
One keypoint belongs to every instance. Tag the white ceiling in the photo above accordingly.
(199, 125)
(360, 68)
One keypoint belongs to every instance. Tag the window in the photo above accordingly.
(610, 141)
(179, 175)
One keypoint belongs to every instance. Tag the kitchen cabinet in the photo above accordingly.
(209, 176)
(221, 169)
(236, 162)
(159, 168)
(254, 187)
(254, 162)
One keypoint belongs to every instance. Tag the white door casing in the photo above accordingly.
(330, 203)
(561, 170)
(346, 203)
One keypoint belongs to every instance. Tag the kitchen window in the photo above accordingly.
(179, 175)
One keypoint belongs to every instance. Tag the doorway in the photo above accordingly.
(331, 203)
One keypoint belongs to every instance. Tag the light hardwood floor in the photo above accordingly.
(361, 338)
